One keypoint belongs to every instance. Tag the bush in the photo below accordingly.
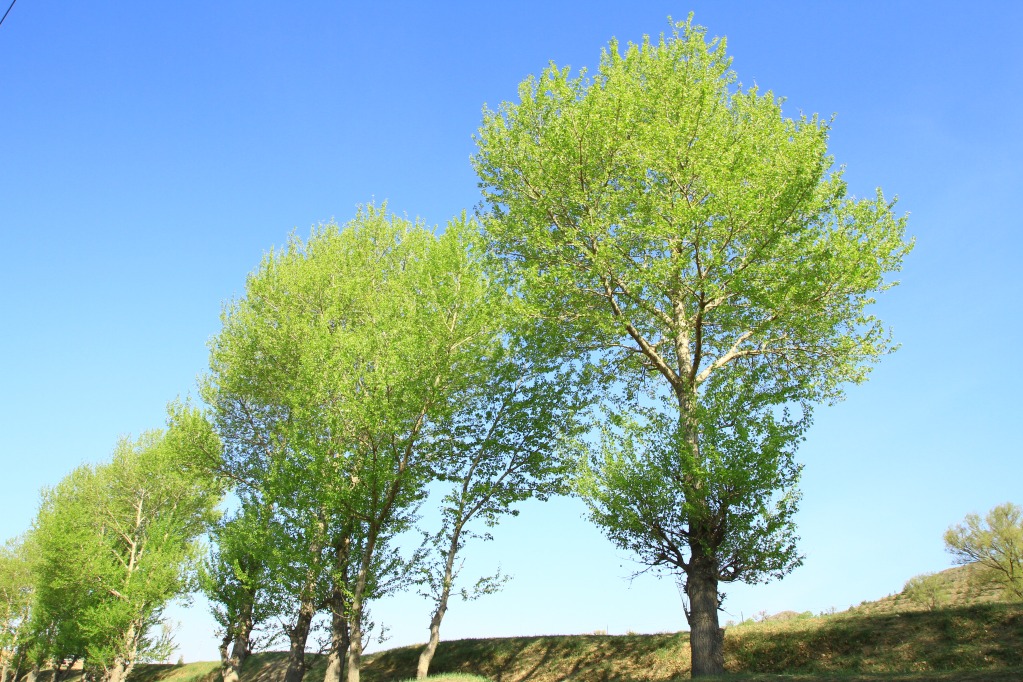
(928, 590)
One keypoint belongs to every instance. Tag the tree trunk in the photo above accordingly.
(226, 670)
(115, 673)
(298, 635)
(442, 606)
(340, 638)
(231, 665)
(242, 644)
(4, 670)
(355, 643)
(431, 646)
(706, 639)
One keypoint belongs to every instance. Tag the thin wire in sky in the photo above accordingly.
(7, 12)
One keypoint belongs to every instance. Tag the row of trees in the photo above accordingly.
(111, 545)
(362, 367)
(665, 278)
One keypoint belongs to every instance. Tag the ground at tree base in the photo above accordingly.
(976, 637)
(973, 643)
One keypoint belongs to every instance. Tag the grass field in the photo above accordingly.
(972, 639)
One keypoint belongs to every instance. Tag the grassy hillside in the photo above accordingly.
(892, 639)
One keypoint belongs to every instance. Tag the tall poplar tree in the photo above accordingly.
(701, 241)
(117, 541)
(326, 381)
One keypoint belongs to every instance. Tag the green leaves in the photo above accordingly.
(995, 543)
(116, 542)
(656, 205)
(334, 383)
(696, 250)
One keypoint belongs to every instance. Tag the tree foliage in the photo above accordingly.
(17, 591)
(995, 544)
(117, 541)
(327, 381)
(700, 241)
(510, 439)
(927, 589)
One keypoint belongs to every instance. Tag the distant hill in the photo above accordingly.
(975, 637)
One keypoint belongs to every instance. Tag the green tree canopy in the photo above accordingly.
(995, 544)
(700, 242)
(117, 542)
(327, 379)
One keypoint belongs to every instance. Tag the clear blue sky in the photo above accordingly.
(151, 152)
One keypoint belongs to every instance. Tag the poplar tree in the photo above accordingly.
(325, 382)
(510, 439)
(117, 541)
(701, 243)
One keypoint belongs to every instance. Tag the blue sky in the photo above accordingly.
(150, 153)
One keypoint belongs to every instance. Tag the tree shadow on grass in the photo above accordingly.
(586, 658)
(978, 637)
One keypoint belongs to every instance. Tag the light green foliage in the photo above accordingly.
(235, 576)
(636, 488)
(117, 542)
(510, 439)
(345, 352)
(16, 595)
(698, 243)
(995, 543)
(927, 589)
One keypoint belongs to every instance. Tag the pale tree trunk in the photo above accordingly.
(298, 635)
(355, 628)
(355, 619)
(340, 639)
(115, 673)
(231, 665)
(124, 663)
(5, 669)
(226, 670)
(442, 606)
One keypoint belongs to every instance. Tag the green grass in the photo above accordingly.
(980, 642)
(892, 639)
(166, 672)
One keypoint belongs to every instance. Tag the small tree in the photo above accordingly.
(234, 577)
(505, 443)
(927, 589)
(995, 544)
